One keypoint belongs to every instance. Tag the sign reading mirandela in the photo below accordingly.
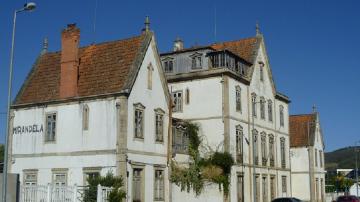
(28, 129)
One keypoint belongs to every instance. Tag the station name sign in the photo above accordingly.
(30, 129)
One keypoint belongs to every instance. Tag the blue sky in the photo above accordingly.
(312, 45)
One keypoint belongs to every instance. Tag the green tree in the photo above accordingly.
(116, 182)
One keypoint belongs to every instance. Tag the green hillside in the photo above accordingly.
(341, 158)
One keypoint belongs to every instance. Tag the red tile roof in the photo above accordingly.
(302, 130)
(244, 48)
(103, 68)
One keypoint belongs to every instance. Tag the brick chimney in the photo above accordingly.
(69, 61)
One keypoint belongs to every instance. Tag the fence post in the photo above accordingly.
(48, 199)
(99, 193)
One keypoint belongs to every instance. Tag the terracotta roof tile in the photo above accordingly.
(302, 130)
(244, 48)
(103, 68)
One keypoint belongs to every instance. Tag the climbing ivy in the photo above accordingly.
(215, 168)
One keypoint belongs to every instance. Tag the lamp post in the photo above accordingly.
(27, 7)
(356, 168)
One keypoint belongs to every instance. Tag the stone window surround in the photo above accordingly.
(46, 127)
(87, 170)
(55, 171)
(140, 107)
(162, 168)
(159, 111)
(32, 172)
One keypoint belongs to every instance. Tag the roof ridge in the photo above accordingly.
(236, 40)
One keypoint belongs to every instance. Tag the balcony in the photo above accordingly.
(226, 59)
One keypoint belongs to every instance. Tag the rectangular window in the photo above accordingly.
(60, 178)
(316, 158)
(264, 189)
(256, 149)
(316, 189)
(187, 94)
(139, 122)
(137, 185)
(284, 184)
(240, 188)
(50, 127)
(263, 150)
(281, 115)
(271, 150)
(30, 177)
(262, 108)
(283, 156)
(90, 173)
(177, 97)
(150, 74)
(321, 159)
(239, 144)
(180, 140)
(272, 187)
(270, 111)
(254, 105)
(159, 185)
(159, 127)
(261, 72)
(257, 179)
(238, 98)
(85, 117)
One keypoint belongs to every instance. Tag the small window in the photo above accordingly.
(284, 184)
(159, 125)
(150, 75)
(262, 108)
(261, 71)
(270, 111)
(159, 185)
(316, 157)
(60, 178)
(187, 96)
(177, 97)
(196, 61)
(86, 117)
(50, 127)
(263, 149)
(255, 145)
(238, 98)
(239, 144)
(240, 188)
(30, 177)
(283, 152)
(139, 121)
(271, 150)
(169, 66)
(253, 98)
(281, 108)
(90, 173)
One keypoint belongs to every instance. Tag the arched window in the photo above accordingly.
(239, 144)
(263, 149)
(271, 150)
(253, 99)
(281, 111)
(255, 145)
(238, 98)
(270, 110)
(150, 75)
(85, 117)
(262, 108)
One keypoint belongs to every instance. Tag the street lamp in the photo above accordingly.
(356, 168)
(27, 7)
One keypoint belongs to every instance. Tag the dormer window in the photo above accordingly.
(168, 65)
(196, 61)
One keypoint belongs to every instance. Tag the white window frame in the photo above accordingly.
(283, 152)
(238, 98)
(90, 170)
(281, 112)
(47, 138)
(159, 125)
(270, 110)
(59, 171)
(262, 108)
(159, 195)
(239, 144)
(178, 101)
(253, 103)
(33, 173)
(139, 109)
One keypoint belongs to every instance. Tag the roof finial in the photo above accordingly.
(314, 108)
(147, 24)
(45, 46)
(257, 29)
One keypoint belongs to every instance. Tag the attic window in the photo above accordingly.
(261, 71)
(196, 61)
(169, 66)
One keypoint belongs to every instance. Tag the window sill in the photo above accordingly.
(139, 139)
(159, 142)
(50, 142)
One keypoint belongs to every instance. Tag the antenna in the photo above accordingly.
(215, 22)
(94, 22)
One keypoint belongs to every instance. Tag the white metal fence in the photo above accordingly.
(51, 193)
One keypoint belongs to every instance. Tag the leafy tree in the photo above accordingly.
(116, 182)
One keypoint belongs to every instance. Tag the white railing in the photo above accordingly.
(52, 193)
(103, 193)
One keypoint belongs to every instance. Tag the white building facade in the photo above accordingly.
(307, 157)
(88, 111)
(228, 90)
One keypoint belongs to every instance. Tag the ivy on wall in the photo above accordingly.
(215, 168)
